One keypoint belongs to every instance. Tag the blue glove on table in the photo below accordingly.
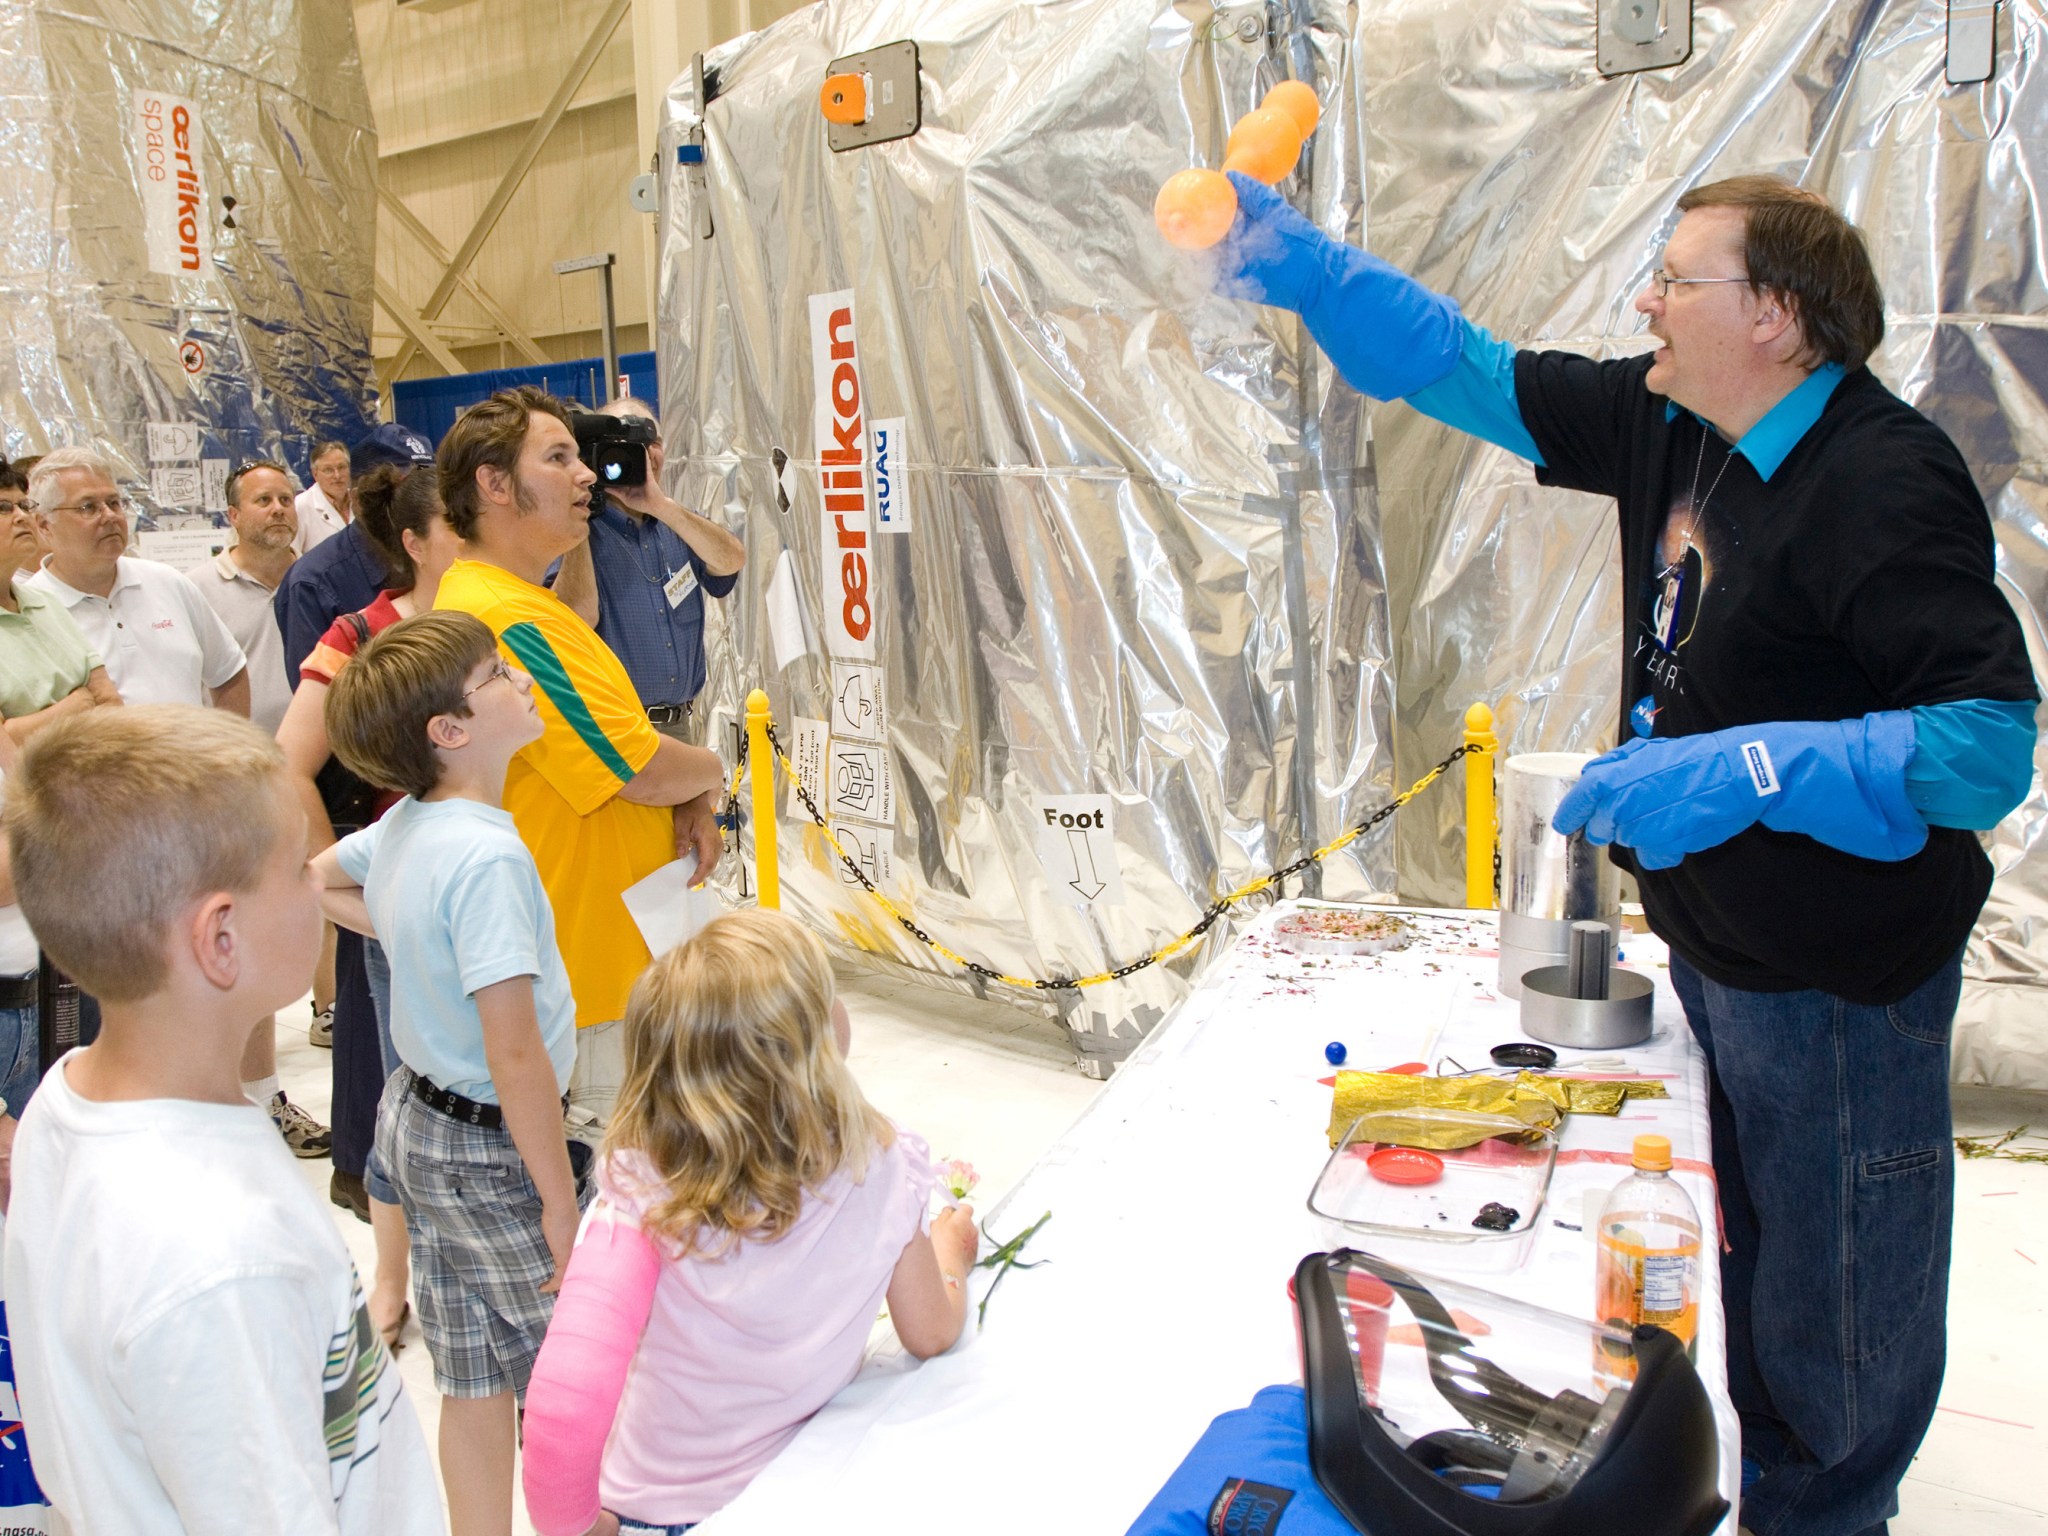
(1840, 782)
(1388, 335)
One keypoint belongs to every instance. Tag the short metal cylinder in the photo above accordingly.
(1547, 881)
(1552, 1015)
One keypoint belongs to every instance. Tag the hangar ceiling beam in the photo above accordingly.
(416, 330)
(515, 175)
(522, 343)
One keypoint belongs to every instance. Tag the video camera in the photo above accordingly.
(615, 448)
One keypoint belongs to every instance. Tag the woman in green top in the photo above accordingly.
(47, 670)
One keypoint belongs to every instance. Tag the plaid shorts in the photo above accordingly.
(478, 1254)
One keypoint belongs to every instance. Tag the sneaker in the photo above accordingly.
(306, 1136)
(322, 1031)
(347, 1191)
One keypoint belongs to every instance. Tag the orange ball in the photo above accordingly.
(1298, 100)
(1265, 144)
(1195, 208)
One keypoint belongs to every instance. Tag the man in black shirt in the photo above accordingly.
(1825, 697)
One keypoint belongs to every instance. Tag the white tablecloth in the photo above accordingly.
(1179, 1211)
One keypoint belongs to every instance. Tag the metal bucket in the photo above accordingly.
(1547, 881)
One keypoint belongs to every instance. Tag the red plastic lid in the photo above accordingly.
(1405, 1165)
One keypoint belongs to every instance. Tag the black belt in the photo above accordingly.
(489, 1117)
(669, 714)
(18, 991)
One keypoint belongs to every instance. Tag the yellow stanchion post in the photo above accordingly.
(761, 764)
(1482, 824)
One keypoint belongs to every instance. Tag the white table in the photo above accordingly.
(1179, 1212)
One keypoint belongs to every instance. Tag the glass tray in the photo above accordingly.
(1505, 1163)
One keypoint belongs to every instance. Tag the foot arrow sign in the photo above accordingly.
(1084, 879)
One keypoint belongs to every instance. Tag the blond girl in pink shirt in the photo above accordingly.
(754, 1211)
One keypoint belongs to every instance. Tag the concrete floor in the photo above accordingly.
(997, 1085)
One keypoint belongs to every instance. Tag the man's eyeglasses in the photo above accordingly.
(95, 506)
(1663, 282)
(498, 670)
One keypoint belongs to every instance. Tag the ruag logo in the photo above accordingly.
(892, 503)
(847, 523)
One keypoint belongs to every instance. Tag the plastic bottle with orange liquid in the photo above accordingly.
(1649, 1257)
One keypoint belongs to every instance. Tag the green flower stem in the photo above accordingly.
(1003, 1259)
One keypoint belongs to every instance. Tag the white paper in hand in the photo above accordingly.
(664, 907)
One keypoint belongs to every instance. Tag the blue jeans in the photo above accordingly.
(20, 1052)
(378, 966)
(1837, 1181)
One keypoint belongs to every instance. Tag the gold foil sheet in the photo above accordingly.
(1528, 1097)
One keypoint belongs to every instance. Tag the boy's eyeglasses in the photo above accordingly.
(498, 670)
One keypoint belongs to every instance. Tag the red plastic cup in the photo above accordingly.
(1369, 1299)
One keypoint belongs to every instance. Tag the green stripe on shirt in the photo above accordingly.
(526, 642)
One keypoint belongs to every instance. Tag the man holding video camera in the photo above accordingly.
(642, 579)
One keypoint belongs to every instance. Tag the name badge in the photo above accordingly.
(680, 585)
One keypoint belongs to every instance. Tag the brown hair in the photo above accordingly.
(391, 501)
(1795, 245)
(235, 480)
(119, 819)
(330, 446)
(379, 706)
(489, 435)
(12, 479)
(735, 1094)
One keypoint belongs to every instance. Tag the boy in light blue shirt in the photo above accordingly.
(470, 1127)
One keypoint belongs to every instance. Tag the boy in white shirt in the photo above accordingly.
(191, 1345)
(470, 1128)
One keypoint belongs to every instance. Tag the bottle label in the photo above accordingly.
(1666, 1281)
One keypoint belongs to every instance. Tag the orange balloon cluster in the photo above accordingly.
(1195, 208)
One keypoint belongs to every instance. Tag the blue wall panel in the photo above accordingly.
(430, 406)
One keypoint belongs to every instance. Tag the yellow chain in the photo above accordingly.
(1165, 952)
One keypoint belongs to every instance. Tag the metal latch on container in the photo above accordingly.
(690, 153)
(872, 97)
(1636, 35)
(1972, 41)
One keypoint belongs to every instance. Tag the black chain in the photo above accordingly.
(730, 821)
(1210, 915)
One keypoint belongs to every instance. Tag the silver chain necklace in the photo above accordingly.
(1699, 506)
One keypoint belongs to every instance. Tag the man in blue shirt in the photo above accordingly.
(343, 573)
(1825, 698)
(641, 581)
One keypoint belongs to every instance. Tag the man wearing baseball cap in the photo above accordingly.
(344, 573)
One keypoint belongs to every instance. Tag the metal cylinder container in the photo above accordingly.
(1547, 881)
(1551, 1012)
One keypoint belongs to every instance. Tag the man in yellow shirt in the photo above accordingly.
(602, 799)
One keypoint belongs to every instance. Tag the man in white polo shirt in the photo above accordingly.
(240, 584)
(325, 506)
(148, 623)
(162, 645)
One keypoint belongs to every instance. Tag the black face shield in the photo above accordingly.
(1416, 1430)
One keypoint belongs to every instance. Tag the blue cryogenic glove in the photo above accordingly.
(1840, 782)
(1387, 334)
